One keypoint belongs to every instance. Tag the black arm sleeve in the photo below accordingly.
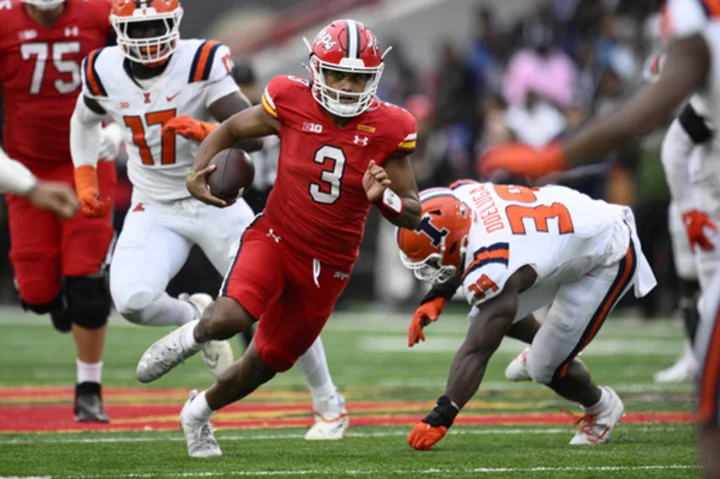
(444, 290)
(694, 125)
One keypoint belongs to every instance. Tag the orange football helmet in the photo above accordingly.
(346, 46)
(435, 250)
(154, 47)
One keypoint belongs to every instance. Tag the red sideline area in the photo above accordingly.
(32, 409)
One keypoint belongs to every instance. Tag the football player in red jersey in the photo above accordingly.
(342, 150)
(59, 265)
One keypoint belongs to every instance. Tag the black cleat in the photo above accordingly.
(88, 403)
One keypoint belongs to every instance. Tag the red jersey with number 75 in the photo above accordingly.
(318, 202)
(40, 76)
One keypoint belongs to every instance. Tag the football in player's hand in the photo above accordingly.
(233, 176)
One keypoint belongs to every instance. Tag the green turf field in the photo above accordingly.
(508, 430)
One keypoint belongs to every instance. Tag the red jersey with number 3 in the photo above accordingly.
(318, 202)
(40, 76)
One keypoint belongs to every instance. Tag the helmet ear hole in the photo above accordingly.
(453, 248)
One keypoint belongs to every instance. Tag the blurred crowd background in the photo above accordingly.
(474, 73)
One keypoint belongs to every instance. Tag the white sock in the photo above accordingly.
(198, 412)
(89, 372)
(314, 367)
(598, 406)
(188, 336)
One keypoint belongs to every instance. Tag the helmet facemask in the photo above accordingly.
(338, 102)
(149, 51)
(437, 268)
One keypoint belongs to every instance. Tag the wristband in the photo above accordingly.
(443, 414)
(390, 205)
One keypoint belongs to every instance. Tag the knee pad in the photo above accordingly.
(132, 306)
(46, 308)
(88, 300)
(538, 367)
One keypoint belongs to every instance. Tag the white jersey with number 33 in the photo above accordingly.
(561, 233)
(197, 75)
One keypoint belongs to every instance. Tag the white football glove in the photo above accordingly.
(110, 139)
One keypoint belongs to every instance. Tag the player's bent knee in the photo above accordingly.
(133, 306)
(276, 359)
(88, 301)
(44, 308)
(538, 371)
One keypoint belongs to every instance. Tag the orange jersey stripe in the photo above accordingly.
(92, 81)
(607, 306)
(711, 376)
(487, 255)
(202, 62)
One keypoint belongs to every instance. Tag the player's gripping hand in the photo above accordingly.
(434, 426)
(424, 315)
(196, 184)
(375, 181)
(521, 159)
(189, 128)
(91, 204)
(695, 223)
(56, 197)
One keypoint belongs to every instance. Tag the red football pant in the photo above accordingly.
(44, 249)
(292, 293)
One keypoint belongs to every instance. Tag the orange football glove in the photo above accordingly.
(86, 186)
(189, 128)
(424, 315)
(521, 159)
(695, 224)
(424, 436)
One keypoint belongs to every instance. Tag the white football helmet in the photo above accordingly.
(154, 50)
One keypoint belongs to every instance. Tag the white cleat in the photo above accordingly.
(164, 354)
(596, 428)
(517, 369)
(685, 369)
(217, 355)
(331, 420)
(200, 439)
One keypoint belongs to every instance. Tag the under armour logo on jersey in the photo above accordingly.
(73, 31)
(361, 140)
(27, 34)
(5, 4)
(428, 229)
(272, 235)
(147, 97)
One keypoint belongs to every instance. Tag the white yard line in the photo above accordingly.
(388, 472)
(117, 438)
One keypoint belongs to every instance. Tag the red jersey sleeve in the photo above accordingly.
(404, 144)
(279, 93)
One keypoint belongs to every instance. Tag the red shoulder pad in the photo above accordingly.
(281, 90)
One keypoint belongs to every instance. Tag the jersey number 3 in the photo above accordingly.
(327, 191)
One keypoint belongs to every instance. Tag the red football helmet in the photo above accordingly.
(148, 50)
(435, 250)
(346, 46)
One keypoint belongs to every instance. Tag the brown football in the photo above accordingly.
(233, 176)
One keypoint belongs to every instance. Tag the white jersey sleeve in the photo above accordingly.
(677, 149)
(487, 269)
(14, 177)
(217, 81)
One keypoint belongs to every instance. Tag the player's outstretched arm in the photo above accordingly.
(392, 188)
(431, 306)
(685, 70)
(248, 124)
(228, 106)
(56, 197)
